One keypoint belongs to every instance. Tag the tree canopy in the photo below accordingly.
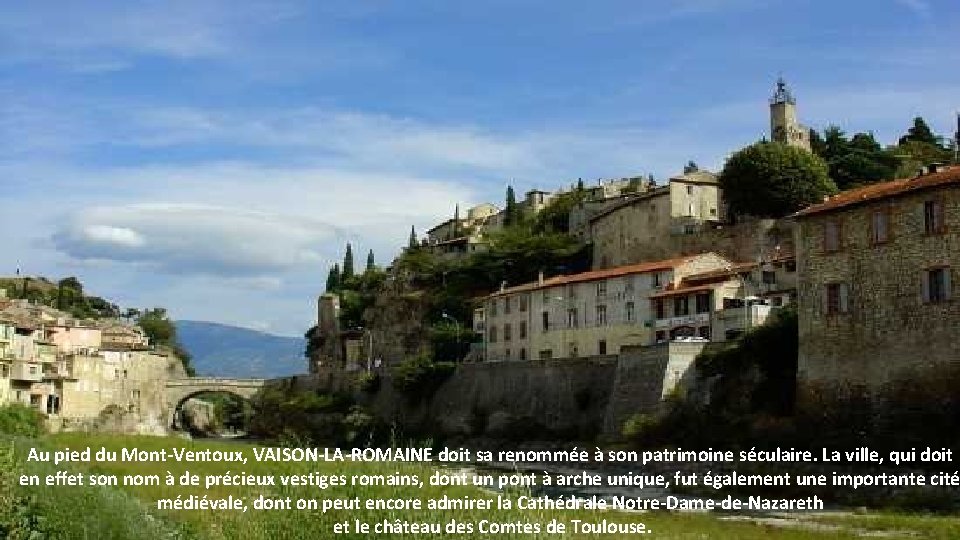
(771, 179)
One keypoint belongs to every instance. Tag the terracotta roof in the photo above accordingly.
(598, 274)
(722, 272)
(685, 290)
(883, 190)
(632, 198)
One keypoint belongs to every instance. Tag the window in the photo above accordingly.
(602, 347)
(656, 279)
(704, 332)
(831, 236)
(933, 217)
(506, 354)
(546, 354)
(545, 296)
(768, 277)
(703, 302)
(572, 350)
(506, 332)
(506, 305)
(835, 298)
(523, 301)
(602, 288)
(601, 315)
(545, 318)
(572, 318)
(880, 229)
(493, 308)
(936, 285)
(631, 312)
(659, 306)
(661, 336)
(791, 266)
(689, 190)
(523, 330)
(523, 354)
(33, 370)
(681, 306)
(629, 286)
(571, 291)
(493, 334)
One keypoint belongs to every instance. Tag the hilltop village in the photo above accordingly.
(659, 273)
(81, 371)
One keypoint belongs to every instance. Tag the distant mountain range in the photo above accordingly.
(229, 351)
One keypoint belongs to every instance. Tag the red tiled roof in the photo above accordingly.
(598, 274)
(883, 190)
(685, 290)
(734, 268)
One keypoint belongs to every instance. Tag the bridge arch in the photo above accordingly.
(180, 390)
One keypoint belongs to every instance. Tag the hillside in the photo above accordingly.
(230, 351)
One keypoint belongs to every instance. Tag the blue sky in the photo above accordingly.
(213, 156)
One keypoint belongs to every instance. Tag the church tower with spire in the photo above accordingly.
(784, 126)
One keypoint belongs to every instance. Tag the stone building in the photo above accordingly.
(643, 227)
(74, 372)
(597, 312)
(784, 126)
(876, 266)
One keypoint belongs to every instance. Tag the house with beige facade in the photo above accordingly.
(73, 371)
(644, 226)
(876, 295)
(597, 313)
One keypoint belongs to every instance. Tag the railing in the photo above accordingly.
(683, 320)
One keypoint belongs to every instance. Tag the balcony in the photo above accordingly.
(696, 319)
(26, 371)
(739, 318)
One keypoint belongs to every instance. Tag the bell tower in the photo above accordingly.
(784, 126)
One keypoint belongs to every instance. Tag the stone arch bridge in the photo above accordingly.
(180, 390)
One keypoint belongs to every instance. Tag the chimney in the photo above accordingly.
(503, 286)
(540, 278)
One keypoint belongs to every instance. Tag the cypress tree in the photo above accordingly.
(412, 244)
(333, 278)
(510, 213)
(347, 271)
(920, 132)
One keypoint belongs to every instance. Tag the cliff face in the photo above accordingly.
(396, 320)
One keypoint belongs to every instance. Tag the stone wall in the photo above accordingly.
(888, 332)
(573, 399)
(640, 236)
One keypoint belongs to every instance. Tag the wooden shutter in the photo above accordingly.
(825, 300)
(844, 298)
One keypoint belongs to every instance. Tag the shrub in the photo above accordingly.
(419, 376)
(17, 419)
(369, 382)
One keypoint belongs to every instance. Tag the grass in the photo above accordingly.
(130, 512)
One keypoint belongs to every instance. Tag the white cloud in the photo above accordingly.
(179, 238)
(921, 8)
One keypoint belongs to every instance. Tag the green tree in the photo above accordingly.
(371, 264)
(920, 132)
(162, 331)
(347, 271)
(412, 243)
(771, 179)
(333, 278)
(510, 211)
